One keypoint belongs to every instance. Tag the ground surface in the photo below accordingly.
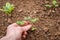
(48, 26)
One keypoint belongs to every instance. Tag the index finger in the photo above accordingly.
(27, 27)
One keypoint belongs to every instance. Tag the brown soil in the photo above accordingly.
(48, 26)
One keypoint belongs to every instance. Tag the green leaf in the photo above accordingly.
(8, 5)
(49, 6)
(54, 2)
(33, 29)
(27, 18)
(20, 22)
(34, 20)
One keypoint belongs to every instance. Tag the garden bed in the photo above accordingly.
(48, 26)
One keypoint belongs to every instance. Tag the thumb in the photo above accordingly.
(26, 28)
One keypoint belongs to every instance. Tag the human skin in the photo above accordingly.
(16, 32)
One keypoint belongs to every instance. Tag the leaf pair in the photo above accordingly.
(54, 4)
(32, 20)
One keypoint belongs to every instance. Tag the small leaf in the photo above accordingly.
(54, 2)
(34, 20)
(27, 18)
(31, 20)
(47, 5)
(20, 22)
(33, 29)
(7, 4)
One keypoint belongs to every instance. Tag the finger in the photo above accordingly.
(25, 33)
(26, 22)
(14, 25)
(24, 36)
(26, 28)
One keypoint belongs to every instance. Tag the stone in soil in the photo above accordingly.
(9, 20)
(20, 10)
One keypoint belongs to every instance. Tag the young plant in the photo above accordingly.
(54, 2)
(20, 22)
(8, 8)
(32, 20)
(33, 29)
(27, 18)
(48, 6)
(27, 21)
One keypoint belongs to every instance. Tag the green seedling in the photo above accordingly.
(32, 20)
(20, 22)
(8, 8)
(27, 18)
(54, 2)
(33, 29)
(49, 6)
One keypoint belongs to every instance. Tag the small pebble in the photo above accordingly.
(20, 10)
(57, 33)
(35, 12)
(3, 15)
(2, 24)
(9, 20)
(45, 29)
(5, 19)
(53, 11)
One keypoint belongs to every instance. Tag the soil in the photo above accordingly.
(48, 26)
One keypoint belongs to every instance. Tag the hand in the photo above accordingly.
(16, 31)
